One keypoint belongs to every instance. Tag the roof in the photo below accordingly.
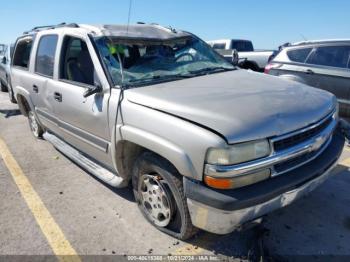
(322, 41)
(135, 31)
(227, 40)
(142, 31)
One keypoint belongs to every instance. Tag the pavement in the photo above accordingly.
(49, 206)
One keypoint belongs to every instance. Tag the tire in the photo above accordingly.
(34, 125)
(3, 87)
(158, 190)
(11, 95)
(249, 65)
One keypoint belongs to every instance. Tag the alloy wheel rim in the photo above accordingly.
(155, 200)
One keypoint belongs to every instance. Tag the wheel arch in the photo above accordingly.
(23, 99)
(136, 141)
(23, 104)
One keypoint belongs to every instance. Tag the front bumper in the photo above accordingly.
(223, 211)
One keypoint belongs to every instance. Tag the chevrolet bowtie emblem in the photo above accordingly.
(318, 143)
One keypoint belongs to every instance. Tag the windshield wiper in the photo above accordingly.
(157, 78)
(211, 70)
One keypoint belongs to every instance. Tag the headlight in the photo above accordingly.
(238, 153)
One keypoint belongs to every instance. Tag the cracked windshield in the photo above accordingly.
(136, 63)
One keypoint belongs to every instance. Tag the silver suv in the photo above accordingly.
(205, 145)
(323, 64)
(5, 74)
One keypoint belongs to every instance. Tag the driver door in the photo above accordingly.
(83, 121)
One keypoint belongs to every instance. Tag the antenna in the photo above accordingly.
(130, 6)
(305, 39)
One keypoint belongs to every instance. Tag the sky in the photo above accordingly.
(268, 23)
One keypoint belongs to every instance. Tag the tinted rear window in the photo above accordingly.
(334, 56)
(242, 46)
(299, 55)
(219, 46)
(22, 52)
(45, 56)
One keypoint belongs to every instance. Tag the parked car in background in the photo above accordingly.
(249, 58)
(323, 64)
(5, 74)
(204, 144)
(2, 50)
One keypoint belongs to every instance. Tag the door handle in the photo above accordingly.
(57, 96)
(309, 72)
(35, 89)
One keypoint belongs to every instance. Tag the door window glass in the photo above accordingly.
(242, 46)
(22, 52)
(219, 46)
(335, 56)
(45, 57)
(76, 63)
(299, 55)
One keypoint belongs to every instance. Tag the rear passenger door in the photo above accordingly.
(296, 69)
(83, 120)
(328, 68)
(42, 82)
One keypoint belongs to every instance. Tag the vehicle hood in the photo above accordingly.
(240, 105)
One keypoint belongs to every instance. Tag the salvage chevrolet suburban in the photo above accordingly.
(204, 144)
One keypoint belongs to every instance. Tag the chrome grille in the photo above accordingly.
(298, 138)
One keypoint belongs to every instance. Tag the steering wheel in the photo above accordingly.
(184, 55)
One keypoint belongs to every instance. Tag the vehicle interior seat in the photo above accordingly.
(81, 69)
(132, 57)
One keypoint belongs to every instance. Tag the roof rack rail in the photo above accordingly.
(44, 27)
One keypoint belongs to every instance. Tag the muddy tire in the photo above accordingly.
(3, 87)
(160, 196)
(11, 95)
(34, 125)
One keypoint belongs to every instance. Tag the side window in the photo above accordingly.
(334, 56)
(76, 64)
(299, 55)
(219, 46)
(45, 56)
(22, 52)
(242, 46)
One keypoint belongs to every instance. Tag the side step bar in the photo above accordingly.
(95, 169)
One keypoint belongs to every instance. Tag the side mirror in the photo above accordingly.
(93, 90)
(4, 60)
(235, 57)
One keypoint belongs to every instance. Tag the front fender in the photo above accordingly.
(161, 146)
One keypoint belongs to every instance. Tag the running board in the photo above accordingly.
(95, 169)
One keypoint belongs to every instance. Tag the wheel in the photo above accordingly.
(34, 125)
(11, 95)
(3, 87)
(160, 196)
